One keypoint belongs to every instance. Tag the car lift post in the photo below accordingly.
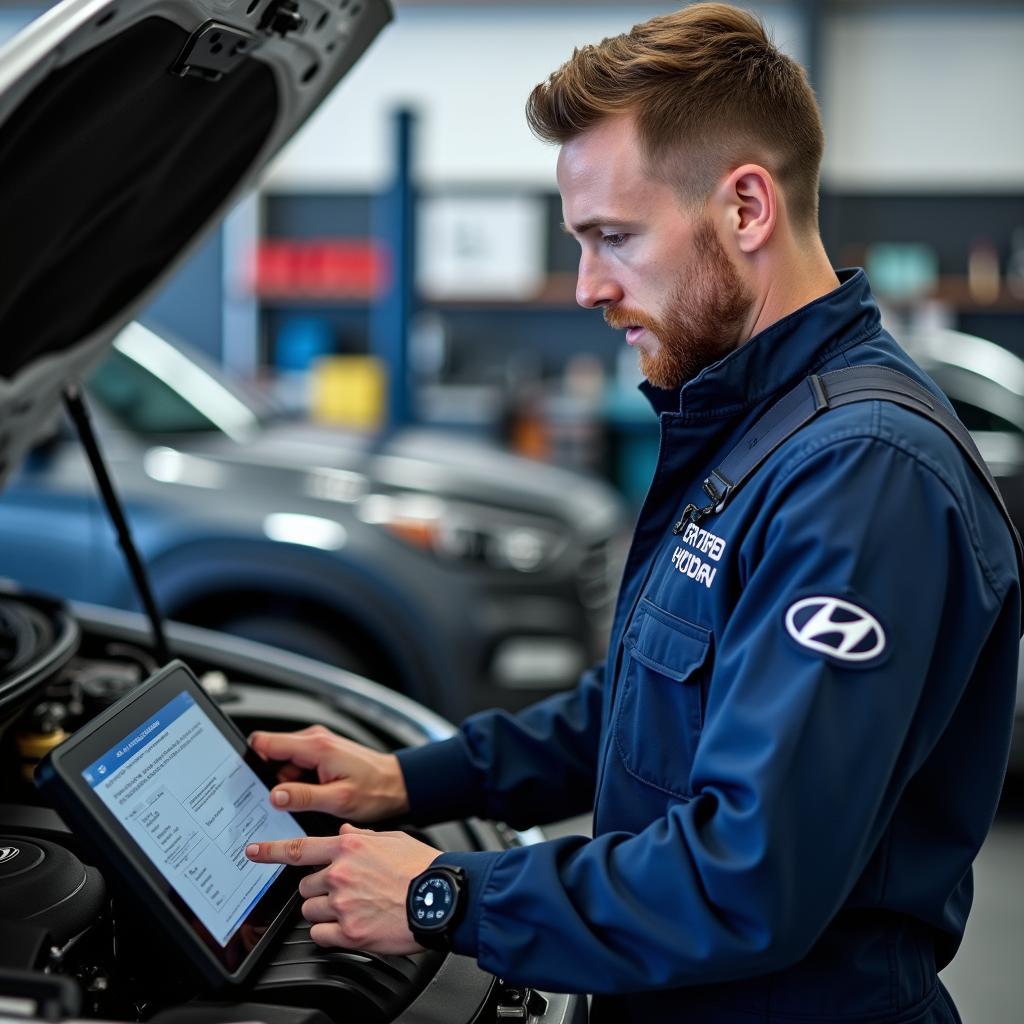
(394, 212)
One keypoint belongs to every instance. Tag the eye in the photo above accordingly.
(615, 240)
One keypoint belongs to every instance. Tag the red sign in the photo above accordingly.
(321, 268)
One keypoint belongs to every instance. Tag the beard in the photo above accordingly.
(704, 316)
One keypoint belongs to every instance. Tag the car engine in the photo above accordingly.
(70, 943)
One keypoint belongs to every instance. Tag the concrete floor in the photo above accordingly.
(986, 978)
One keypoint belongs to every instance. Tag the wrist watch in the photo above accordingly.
(435, 904)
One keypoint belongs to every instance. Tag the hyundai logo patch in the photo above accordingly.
(835, 627)
(8, 853)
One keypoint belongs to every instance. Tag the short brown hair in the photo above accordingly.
(705, 83)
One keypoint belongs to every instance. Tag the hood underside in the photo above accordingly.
(126, 130)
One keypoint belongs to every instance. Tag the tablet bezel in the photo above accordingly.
(61, 779)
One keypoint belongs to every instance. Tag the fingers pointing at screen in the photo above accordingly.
(357, 899)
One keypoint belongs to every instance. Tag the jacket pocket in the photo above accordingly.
(659, 712)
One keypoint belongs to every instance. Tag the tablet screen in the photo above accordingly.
(191, 803)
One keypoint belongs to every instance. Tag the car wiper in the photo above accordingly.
(74, 402)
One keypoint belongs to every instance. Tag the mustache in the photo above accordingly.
(620, 317)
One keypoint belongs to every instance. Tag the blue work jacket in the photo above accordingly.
(796, 744)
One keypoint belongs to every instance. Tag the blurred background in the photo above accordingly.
(402, 266)
(402, 260)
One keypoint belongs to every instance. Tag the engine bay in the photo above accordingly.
(69, 936)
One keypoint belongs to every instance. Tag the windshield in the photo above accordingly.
(150, 387)
(140, 402)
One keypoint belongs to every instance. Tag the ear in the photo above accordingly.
(751, 203)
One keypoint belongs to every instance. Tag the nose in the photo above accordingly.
(594, 285)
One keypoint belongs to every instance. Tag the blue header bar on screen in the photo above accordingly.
(102, 768)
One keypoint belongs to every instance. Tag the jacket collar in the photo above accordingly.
(779, 355)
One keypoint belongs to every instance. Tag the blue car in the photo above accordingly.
(447, 569)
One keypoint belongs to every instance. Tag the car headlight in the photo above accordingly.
(465, 532)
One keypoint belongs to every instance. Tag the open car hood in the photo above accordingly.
(127, 129)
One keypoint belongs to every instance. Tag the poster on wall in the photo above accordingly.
(480, 247)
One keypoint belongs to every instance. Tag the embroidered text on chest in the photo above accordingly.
(690, 564)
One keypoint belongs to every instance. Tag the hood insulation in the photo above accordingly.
(107, 171)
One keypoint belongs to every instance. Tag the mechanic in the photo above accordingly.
(796, 745)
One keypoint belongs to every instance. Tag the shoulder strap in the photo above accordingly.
(815, 395)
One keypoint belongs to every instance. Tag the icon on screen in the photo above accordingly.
(102, 769)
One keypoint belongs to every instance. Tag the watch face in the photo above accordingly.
(433, 901)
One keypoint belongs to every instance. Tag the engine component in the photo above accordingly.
(37, 638)
(47, 885)
(24, 631)
(104, 683)
(47, 997)
(44, 731)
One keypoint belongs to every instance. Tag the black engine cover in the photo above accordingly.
(47, 886)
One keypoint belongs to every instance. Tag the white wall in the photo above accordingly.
(926, 100)
(468, 72)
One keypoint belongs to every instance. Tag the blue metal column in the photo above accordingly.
(812, 19)
(391, 315)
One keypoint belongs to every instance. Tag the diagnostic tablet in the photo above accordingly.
(166, 791)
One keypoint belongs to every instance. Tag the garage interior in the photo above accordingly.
(401, 266)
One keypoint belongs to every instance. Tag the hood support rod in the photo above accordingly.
(74, 402)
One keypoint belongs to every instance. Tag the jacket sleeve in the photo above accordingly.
(527, 769)
(802, 757)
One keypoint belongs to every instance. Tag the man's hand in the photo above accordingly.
(355, 782)
(358, 900)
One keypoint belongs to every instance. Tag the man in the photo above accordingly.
(796, 745)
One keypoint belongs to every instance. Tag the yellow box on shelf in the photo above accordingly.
(349, 391)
